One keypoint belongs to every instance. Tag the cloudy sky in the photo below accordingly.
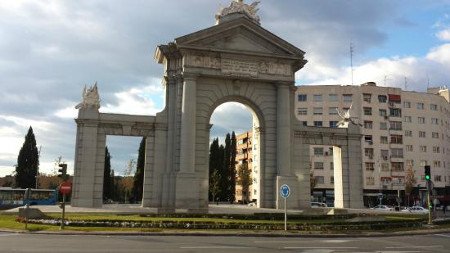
(50, 49)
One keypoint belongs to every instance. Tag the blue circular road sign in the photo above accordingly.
(285, 191)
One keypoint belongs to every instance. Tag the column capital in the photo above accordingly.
(189, 77)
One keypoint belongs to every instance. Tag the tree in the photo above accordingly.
(215, 163)
(232, 169)
(108, 187)
(214, 185)
(138, 180)
(244, 180)
(27, 162)
(312, 179)
(410, 181)
(226, 169)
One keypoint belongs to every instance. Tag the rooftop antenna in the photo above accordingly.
(385, 80)
(406, 82)
(351, 60)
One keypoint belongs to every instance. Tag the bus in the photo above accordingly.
(14, 197)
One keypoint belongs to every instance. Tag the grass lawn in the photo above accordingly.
(8, 221)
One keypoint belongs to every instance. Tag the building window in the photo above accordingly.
(304, 123)
(385, 167)
(317, 98)
(368, 139)
(302, 97)
(396, 152)
(396, 139)
(332, 110)
(382, 98)
(318, 165)
(395, 125)
(423, 149)
(435, 135)
(333, 97)
(302, 111)
(347, 97)
(367, 97)
(421, 120)
(408, 133)
(331, 180)
(436, 149)
(369, 166)
(420, 106)
(434, 121)
(368, 124)
(406, 104)
(433, 107)
(383, 139)
(422, 134)
(318, 123)
(437, 164)
(409, 163)
(370, 181)
(384, 154)
(318, 151)
(423, 163)
(437, 178)
(409, 148)
(333, 124)
(407, 119)
(331, 166)
(317, 110)
(367, 111)
(383, 126)
(368, 152)
(395, 112)
(382, 112)
(397, 166)
(319, 179)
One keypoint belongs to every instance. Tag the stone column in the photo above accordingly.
(283, 131)
(284, 143)
(187, 195)
(188, 114)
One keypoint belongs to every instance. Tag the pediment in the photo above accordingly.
(239, 36)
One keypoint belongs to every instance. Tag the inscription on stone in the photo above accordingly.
(236, 67)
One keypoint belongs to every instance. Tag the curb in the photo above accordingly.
(236, 233)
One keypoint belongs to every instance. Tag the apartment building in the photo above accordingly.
(402, 130)
(244, 154)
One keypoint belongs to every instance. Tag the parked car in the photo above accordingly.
(382, 208)
(416, 209)
(318, 204)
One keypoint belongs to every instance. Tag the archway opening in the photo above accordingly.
(234, 142)
(124, 166)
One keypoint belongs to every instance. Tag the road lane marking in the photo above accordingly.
(443, 235)
(215, 247)
(415, 247)
(311, 247)
(296, 241)
(8, 234)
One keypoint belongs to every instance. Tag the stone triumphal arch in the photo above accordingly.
(234, 60)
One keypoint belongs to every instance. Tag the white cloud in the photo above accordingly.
(444, 35)
(440, 54)
(135, 101)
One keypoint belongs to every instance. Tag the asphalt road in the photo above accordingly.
(12, 242)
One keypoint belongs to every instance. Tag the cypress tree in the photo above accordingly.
(226, 168)
(222, 185)
(232, 169)
(107, 182)
(138, 180)
(214, 166)
(27, 162)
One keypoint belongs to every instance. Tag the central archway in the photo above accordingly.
(252, 146)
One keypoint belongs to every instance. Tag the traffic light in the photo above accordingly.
(427, 173)
(63, 171)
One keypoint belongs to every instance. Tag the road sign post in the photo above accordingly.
(285, 191)
(64, 188)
